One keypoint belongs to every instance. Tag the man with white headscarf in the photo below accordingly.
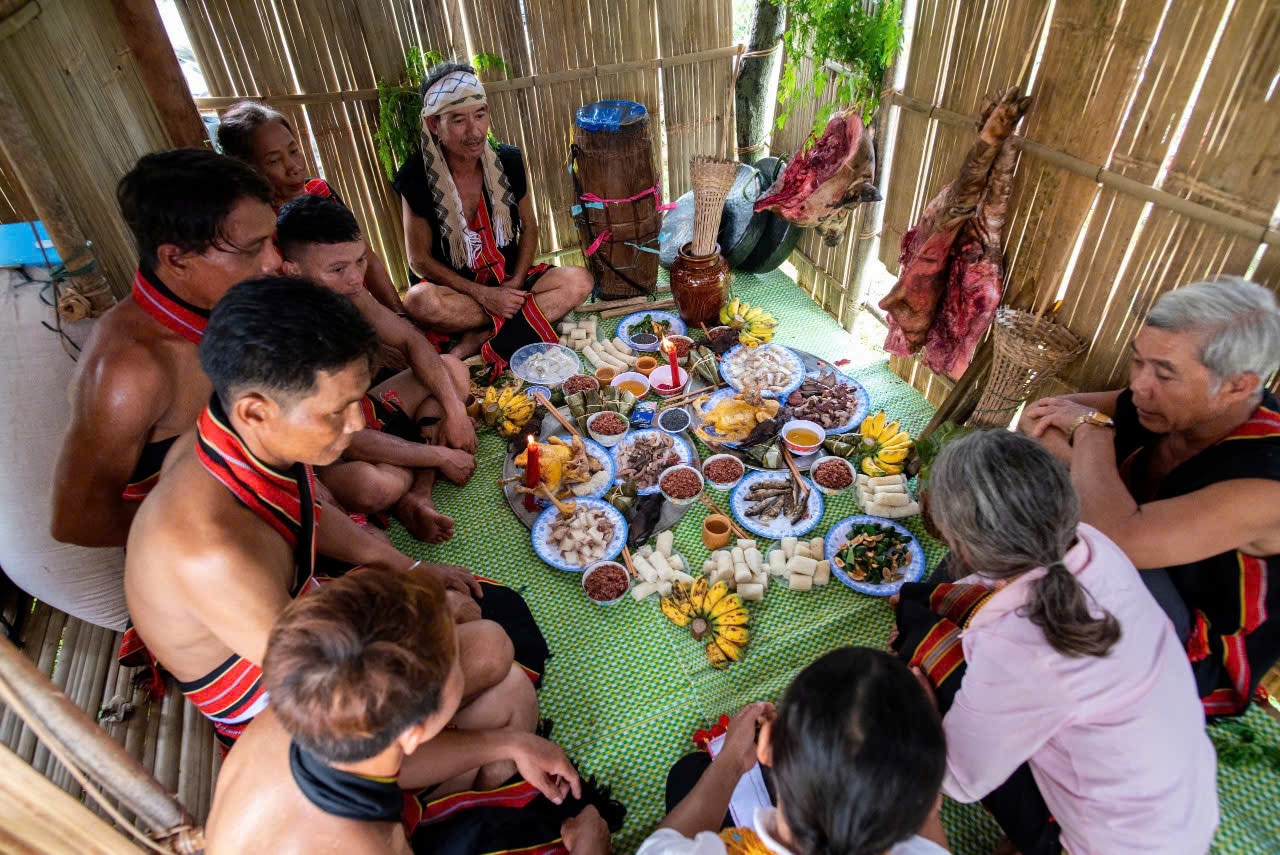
(470, 232)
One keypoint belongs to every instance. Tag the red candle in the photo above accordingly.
(532, 473)
(669, 348)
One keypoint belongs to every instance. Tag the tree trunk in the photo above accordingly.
(144, 32)
(757, 96)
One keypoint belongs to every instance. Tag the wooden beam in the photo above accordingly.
(529, 82)
(1228, 223)
(144, 33)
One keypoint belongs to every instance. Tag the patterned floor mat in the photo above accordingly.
(626, 689)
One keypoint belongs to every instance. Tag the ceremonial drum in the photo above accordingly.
(617, 212)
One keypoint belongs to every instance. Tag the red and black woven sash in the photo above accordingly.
(168, 309)
(284, 500)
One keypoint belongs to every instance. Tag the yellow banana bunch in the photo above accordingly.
(755, 326)
(710, 611)
(887, 446)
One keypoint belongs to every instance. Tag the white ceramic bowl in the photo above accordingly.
(597, 565)
(605, 439)
(796, 448)
(832, 491)
(702, 483)
(679, 412)
(659, 377)
(635, 376)
(727, 485)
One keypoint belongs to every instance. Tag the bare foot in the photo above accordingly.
(420, 517)
(469, 344)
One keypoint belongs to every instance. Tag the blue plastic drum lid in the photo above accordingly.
(609, 115)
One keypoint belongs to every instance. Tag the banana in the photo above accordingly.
(889, 431)
(674, 612)
(716, 656)
(892, 455)
(726, 604)
(715, 594)
(697, 594)
(869, 467)
(735, 635)
(733, 617)
(732, 651)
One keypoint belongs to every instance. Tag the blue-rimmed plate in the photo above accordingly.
(779, 526)
(682, 448)
(790, 364)
(551, 554)
(860, 395)
(839, 533)
(626, 325)
(599, 452)
(701, 408)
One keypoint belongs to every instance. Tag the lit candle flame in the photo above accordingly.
(531, 441)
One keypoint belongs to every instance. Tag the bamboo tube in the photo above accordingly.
(189, 774)
(634, 304)
(619, 312)
(44, 664)
(165, 731)
(66, 675)
(87, 745)
(37, 625)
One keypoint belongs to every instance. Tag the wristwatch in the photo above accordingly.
(1093, 417)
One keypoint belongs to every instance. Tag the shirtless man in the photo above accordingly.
(1182, 470)
(228, 535)
(387, 465)
(202, 223)
(476, 241)
(312, 775)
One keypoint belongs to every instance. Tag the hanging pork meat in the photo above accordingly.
(825, 180)
(952, 264)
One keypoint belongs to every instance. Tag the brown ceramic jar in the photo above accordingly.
(700, 285)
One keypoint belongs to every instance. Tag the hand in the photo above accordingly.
(503, 302)
(392, 357)
(587, 833)
(1052, 413)
(543, 764)
(459, 432)
(893, 638)
(455, 578)
(463, 608)
(923, 680)
(739, 746)
(456, 465)
(515, 282)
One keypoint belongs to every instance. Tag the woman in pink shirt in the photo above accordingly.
(1076, 719)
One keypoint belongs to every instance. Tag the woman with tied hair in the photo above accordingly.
(264, 139)
(855, 753)
(1068, 705)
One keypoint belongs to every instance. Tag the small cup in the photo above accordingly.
(631, 377)
(660, 377)
(715, 531)
(646, 364)
(473, 407)
(606, 373)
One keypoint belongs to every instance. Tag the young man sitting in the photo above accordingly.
(353, 754)
(1182, 470)
(228, 536)
(469, 228)
(387, 465)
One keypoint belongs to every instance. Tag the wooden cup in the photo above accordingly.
(715, 531)
(646, 364)
(606, 373)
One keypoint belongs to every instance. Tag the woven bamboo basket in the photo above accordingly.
(1029, 350)
(712, 180)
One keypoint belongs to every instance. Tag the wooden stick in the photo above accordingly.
(542, 399)
(684, 397)
(795, 472)
(604, 305)
(626, 556)
(715, 509)
(619, 312)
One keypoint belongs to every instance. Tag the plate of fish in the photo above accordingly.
(594, 531)
(873, 555)
(644, 454)
(831, 399)
(770, 369)
(648, 325)
(775, 505)
(735, 419)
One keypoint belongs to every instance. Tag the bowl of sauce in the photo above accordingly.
(632, 381)
(803, 436)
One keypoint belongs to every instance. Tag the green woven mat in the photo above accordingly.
(626, 689)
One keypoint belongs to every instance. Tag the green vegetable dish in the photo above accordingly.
(651, 324)
(874, 554)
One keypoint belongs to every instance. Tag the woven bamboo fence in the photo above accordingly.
(1150, 156)
(67, 67)
(319, 63)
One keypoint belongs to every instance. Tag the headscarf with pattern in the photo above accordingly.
(457, 90)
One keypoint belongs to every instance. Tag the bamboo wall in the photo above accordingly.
(319, 62)
(1132, 87)
(78, 87)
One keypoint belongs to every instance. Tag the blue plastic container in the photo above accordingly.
(609, 115)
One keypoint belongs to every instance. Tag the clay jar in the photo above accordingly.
(700, 285)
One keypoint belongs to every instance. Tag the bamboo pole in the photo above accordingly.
(1100, 174)
(144, 33)
(86, 744)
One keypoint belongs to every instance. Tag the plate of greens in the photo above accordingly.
(874, 555)
(646, 324)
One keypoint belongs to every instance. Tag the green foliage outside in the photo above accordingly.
(399, 104)
(861, 36)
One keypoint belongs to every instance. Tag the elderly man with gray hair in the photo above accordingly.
(1182, 470)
